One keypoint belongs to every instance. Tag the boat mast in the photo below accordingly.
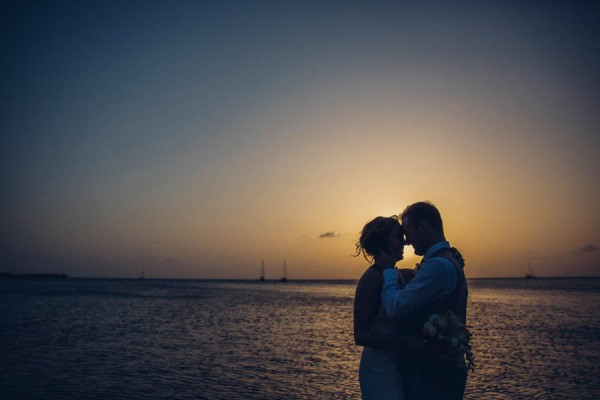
(530, 274)
(284, 279)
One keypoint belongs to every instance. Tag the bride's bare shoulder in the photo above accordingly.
(370, 277)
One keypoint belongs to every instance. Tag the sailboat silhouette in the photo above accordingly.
(529, 275)
(262, 272)
(284, 279)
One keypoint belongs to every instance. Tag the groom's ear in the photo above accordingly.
(425, 226)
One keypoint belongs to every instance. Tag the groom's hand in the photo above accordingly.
(385, 260)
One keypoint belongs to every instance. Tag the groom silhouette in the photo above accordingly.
(438, 285)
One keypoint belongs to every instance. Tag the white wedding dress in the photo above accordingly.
(380, 373)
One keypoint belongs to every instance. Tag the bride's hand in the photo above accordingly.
(385, 260)
(407, 274)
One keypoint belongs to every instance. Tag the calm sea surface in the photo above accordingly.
(166, 339)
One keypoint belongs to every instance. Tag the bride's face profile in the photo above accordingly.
(396, 242)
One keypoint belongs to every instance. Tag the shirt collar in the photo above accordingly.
(433, 249)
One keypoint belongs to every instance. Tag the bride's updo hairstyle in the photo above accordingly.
(374, 237)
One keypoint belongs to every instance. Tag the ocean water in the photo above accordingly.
(186, 339)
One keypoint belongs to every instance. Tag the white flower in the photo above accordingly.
(443, 323)
(447, 331)
(434, 319)
(429, 328)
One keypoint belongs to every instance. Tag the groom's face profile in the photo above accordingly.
(415, 236)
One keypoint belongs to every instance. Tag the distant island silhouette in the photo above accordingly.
(25, 276)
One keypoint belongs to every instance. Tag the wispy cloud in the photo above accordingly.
(331, 234)
(588, 248)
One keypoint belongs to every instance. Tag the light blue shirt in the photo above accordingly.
(435, 278)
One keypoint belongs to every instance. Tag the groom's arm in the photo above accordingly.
(434, 279)
(366, 308)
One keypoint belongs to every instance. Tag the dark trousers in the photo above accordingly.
(448, 383)
(445, 381)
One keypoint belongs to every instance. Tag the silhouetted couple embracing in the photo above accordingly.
(411, 322)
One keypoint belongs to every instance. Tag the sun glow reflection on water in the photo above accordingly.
(229, 340)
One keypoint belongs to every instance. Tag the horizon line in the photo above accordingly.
(318, 279)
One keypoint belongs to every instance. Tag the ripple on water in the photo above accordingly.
(187, 340)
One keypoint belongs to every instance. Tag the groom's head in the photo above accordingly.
(423, 226)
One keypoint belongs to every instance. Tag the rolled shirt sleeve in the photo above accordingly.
(436, 277)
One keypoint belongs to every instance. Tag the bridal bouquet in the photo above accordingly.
(448, 337)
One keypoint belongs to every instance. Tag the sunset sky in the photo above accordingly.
(193, 139)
